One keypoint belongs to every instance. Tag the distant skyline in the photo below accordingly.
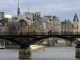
(64, 9)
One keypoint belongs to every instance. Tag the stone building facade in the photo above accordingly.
(44, 25)
(3, 24)
(75, 24)
(54, 24)
(28, 20)
(68, 27)
(37, 20)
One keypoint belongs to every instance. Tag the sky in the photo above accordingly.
(64, 9)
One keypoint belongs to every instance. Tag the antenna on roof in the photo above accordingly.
(28, 5)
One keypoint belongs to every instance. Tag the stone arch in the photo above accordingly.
(57, 41)
(22, 22)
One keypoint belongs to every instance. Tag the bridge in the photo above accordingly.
(25, 40)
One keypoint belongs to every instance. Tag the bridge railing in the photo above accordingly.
(38, 33)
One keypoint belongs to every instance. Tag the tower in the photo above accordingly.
(75, 24)
(18, 10)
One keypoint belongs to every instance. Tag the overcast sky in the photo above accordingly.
(64, 9)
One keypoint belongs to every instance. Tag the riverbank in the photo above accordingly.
(35, 47)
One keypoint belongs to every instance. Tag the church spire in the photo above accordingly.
(18, 10)
(75, 17)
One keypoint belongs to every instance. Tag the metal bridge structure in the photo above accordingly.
(25, 40)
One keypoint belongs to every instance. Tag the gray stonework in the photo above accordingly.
(24, 53)
(77, 53)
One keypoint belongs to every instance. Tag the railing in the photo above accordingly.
(38, 33)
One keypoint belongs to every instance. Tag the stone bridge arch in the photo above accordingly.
(69, 40)
(53, 41)
(62, 42)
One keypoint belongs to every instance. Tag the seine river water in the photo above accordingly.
(49, 53)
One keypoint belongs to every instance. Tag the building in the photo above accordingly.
(54, 24)
(75, 24)
(9, 17)
(1, 15)
(27, 16)
(37, 20)
(25, 21)
(3, 24)
(66, 27)
(44, 24)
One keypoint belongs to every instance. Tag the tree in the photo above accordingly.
(30, 30)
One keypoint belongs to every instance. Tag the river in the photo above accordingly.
(48, 53)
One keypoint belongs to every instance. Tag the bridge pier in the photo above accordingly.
(77, 53)
(51, 42)
(68, 43)
(24, 53)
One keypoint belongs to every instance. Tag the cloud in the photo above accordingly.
(58, 7)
